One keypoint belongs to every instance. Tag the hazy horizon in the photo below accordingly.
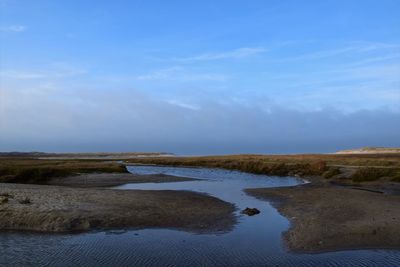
(199, 78)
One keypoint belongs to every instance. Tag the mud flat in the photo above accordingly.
(113, 179)
(326, 218)
(50, 208)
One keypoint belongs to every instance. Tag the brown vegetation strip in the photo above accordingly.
(355, 168)
(36, 171)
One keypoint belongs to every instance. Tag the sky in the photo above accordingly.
(199, 77)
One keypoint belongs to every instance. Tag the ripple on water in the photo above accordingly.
(167, 248)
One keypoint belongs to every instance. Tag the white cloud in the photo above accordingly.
(183, 104)
(56, 70)
(21, 75)
(94, 120)
(353, 48)
(162, 74)
(237, 53)
(13, 28)
(181, 75)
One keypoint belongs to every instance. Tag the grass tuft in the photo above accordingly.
(331, 172)
(370, 174)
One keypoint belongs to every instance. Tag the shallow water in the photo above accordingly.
(255, 241)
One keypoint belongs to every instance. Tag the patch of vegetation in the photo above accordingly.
(326, 165)
(332, 171)
(371, 174)
(246, 163)
(40, 171)
(396, 178)
(330, 159)
(33, 170)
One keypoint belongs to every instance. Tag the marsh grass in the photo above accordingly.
(32, 170)
(325, 165)
(396, 178)
(14, 170)
(252, 165)
(331, 172)
(372, 174)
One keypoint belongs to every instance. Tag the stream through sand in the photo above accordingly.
(254, 241)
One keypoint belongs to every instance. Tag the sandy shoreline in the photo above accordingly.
(327, 218)
(113, 179)
(66, 209)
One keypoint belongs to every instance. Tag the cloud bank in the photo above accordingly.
(49, 119)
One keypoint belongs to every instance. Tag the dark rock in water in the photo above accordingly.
(250, 211)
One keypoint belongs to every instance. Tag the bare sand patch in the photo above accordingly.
(113, 179)
(59, 209)
(325, 217)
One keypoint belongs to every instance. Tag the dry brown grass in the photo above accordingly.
(32, 170)
(367, 174)
(29, 170)
(302, 164)
(392, 160)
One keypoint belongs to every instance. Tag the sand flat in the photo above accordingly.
(325, 217)
(60, 209)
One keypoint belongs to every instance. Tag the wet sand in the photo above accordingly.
(113, 179)
(325, 217)
(49, 208)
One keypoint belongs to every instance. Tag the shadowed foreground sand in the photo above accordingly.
(114, 179)
(58, 209)
(332, 218)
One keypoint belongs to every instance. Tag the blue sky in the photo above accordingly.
(199, 77)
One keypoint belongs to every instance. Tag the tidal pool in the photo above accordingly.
(254, 241)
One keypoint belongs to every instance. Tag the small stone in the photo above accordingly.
(250, 211)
